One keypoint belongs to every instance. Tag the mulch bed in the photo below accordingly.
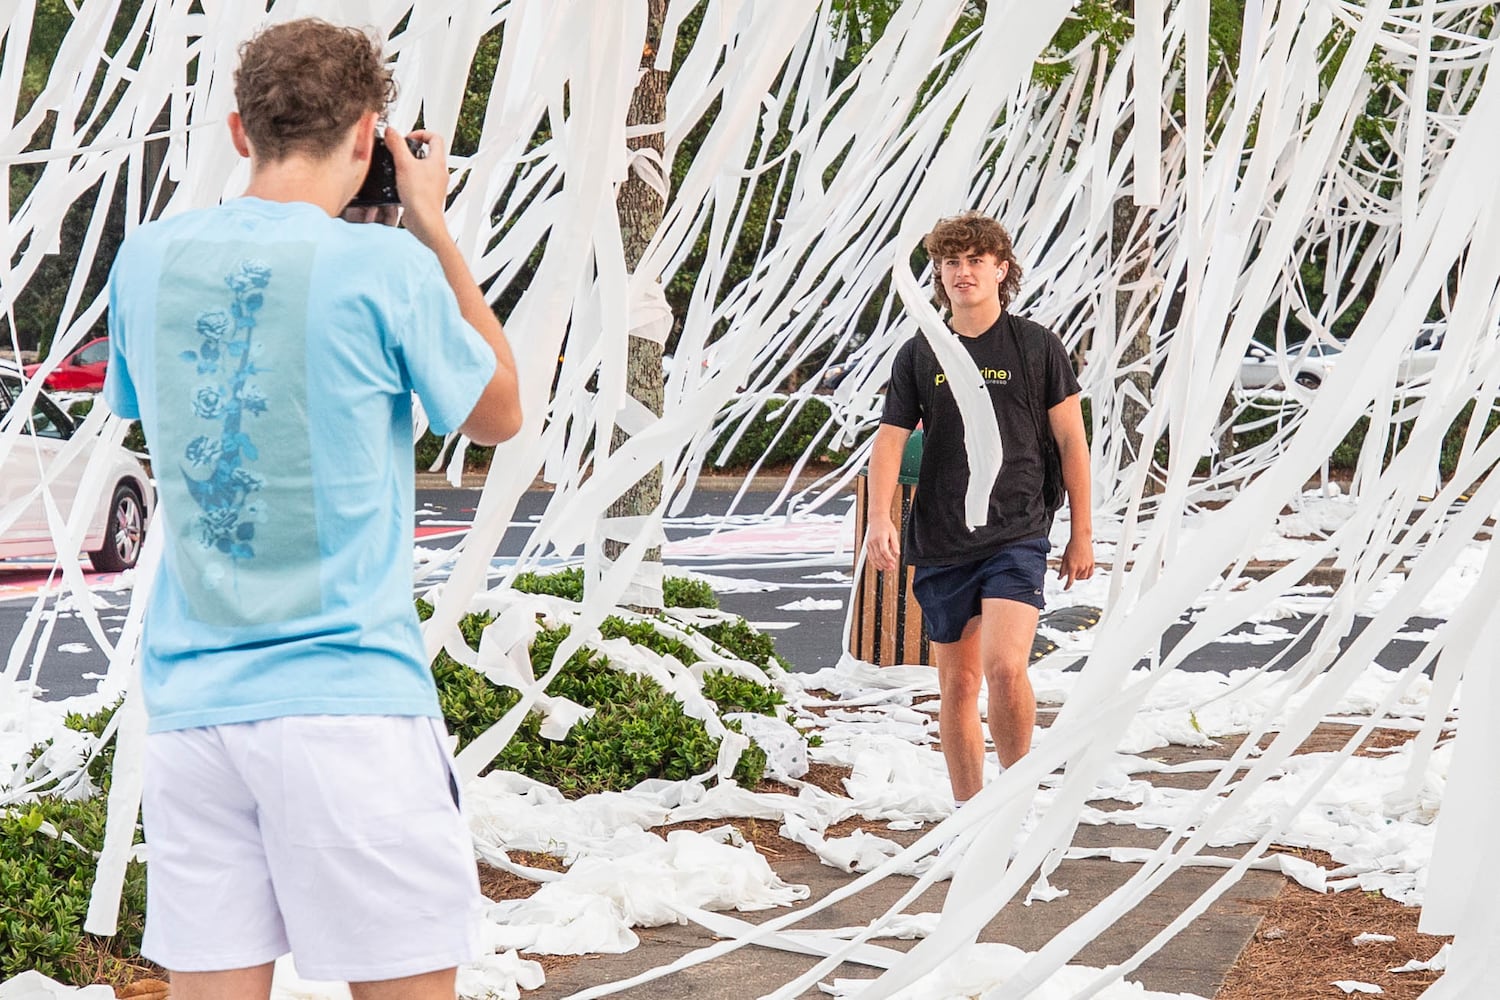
(1306, 943)
(497, 884)
(1330, 737)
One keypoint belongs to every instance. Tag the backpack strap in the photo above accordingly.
(1032, 337)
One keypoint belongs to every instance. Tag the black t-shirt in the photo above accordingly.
(936, 534)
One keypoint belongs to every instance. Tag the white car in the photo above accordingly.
(1308, 365)
(1258, 369)
(1314, 362)
(117, 529)
(1418, 361)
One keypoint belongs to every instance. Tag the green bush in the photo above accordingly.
(564, 583)
(1345, 455)
(740, 638)
(761, 430)
(733, 693)
(101, 768)
(45, 883)
(736, 635)
(684, 592)
(476, 459)
(1454, 440)
(135, 438)
(676, 591)
(638, 730)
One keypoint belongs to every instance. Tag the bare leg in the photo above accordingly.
(428, 986)
(1006, 636)
(253, 983)
(959, 672)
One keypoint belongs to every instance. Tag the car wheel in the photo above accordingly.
(124, 532)
(1307, 380)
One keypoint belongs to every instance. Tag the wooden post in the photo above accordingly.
(888, 627)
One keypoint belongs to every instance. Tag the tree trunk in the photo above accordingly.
(1132, 414)
(640, 210)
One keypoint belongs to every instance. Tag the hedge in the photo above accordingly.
(46, 880)
(639, 730)
(1345, 456)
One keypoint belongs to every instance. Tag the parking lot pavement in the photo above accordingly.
(791, 578)
(788, 576)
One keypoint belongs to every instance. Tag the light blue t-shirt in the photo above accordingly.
(270, 353)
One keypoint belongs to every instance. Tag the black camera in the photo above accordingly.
(379, 187)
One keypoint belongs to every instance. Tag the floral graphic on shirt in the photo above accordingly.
(214, 466)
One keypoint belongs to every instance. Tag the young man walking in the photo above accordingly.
(298, 792)
(980, 590)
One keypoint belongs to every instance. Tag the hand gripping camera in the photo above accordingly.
(379, 188)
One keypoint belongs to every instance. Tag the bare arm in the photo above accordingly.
(423, 185)
(1066, 420)
(883, 538)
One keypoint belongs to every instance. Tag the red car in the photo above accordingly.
(81, 371)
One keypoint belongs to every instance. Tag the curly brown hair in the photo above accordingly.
(300, 86)
(972, 232)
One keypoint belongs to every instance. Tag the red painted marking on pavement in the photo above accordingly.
(20, 579)
(440, 531)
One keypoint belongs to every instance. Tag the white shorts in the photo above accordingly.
(337, 838)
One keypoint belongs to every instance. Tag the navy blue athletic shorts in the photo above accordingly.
(951, 595)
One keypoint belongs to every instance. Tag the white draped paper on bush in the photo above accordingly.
(1237, 178)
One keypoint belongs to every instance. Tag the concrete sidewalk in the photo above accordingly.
(1195, 961)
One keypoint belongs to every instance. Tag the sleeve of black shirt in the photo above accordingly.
(903, 408)
(1061, 382)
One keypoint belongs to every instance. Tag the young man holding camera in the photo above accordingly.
(299, 795)
(980, 590)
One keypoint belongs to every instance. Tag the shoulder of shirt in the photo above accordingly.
(914, 345)
(161, 230)
(391, 248)
(1032, 327)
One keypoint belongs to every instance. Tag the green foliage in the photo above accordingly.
(45, 883)
(429, 446)
(471, 111)
(733, 693)
(760, 439)
(741, 638)
(646, 634)
(676, 591)
(685, 592)
(808, 430)
(135, 437)
(638, 731)
(564, 583)
(1100, 20)
(1375, 126)
(38, 307)
(1256, 424)
(1345, 457)
(101, 768)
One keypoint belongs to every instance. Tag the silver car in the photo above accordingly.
(117, 528)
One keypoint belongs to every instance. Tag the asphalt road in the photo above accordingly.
(790, 579)
(73, 661)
